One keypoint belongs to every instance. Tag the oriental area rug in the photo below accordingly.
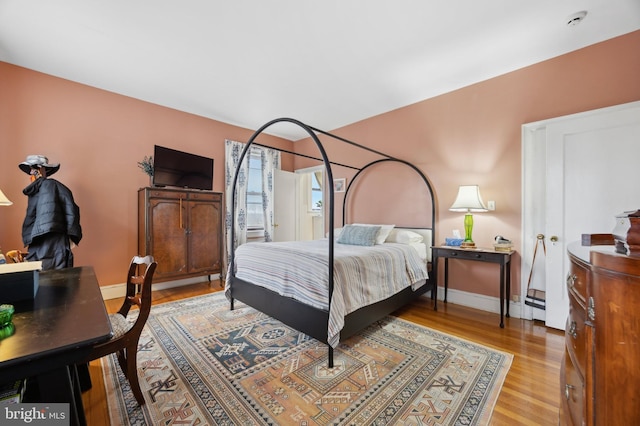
(201, 364)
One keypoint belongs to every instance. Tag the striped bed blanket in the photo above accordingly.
(362, 275)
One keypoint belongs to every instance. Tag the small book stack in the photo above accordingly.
(503, 247)
(502, 244)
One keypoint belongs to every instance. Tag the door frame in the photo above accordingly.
(534, 174)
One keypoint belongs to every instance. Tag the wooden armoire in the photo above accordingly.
(182, 230)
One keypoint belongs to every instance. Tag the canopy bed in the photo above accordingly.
(332, 288)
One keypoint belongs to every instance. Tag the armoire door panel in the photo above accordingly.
(168, 236)
(204, 251)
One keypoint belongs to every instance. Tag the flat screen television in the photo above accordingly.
(176, 168)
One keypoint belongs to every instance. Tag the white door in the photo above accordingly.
(590, 175)
(285, 206)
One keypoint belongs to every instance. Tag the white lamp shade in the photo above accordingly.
(468, 200)
(4, 201)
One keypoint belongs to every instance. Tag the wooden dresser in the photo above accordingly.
(182, 230)
(600, 376)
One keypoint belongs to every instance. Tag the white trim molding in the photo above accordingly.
(115, 291)
(477, 301)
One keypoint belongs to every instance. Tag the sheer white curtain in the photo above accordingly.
(233, 150)
(270, 159)
(270, 163)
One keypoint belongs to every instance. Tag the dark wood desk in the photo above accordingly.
(502, 258)
(54, 331)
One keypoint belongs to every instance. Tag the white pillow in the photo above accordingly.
(382, 234)
(336, 233)
(404, 236)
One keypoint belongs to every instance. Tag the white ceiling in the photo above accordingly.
(327, 63)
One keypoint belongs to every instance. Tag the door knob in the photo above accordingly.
(553, 239)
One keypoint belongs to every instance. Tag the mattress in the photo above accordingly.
(362, 274)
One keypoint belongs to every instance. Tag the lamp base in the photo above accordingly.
(468, 244)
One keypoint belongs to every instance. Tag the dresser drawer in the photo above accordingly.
(575, 333)
(471, 254)
(171, 195)
(577, 281)
(572, 392)
(205, 196)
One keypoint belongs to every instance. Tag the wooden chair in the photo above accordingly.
(126, 334)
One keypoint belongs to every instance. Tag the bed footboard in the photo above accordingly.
(314, 322)
(307, 319)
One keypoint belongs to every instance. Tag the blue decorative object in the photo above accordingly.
(358, 235)
(453, 242)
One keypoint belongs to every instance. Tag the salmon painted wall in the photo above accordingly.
(473, 136)
(97, 137)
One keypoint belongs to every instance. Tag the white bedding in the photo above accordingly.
(362, 275)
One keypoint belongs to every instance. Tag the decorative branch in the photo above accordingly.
(146, 165)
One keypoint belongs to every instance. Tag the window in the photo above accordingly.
(255, 215)
(316, 191)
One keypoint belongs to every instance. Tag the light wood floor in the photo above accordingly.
(530, 395)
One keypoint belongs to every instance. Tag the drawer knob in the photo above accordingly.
(573, 330)
(454, 254)
(478, 256)
(571, 280)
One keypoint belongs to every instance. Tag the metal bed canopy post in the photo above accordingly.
(312, 133)
(422, 176)
(327, 164)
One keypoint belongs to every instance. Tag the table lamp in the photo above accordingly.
(4, 201)
(468, 200)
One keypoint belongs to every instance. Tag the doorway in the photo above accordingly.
(579, 172)
(311, 207)
(299, 204)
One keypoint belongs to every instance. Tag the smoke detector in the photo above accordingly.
(576, 18)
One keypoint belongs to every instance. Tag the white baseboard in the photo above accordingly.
(472, 300)
(478, 301)
(115, 291)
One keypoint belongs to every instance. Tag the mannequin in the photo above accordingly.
(51, 225)
(52, 221)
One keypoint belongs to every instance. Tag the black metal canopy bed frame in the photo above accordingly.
(300, 316)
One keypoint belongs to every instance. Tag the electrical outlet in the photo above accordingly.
(491, 205)
(516, 298)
